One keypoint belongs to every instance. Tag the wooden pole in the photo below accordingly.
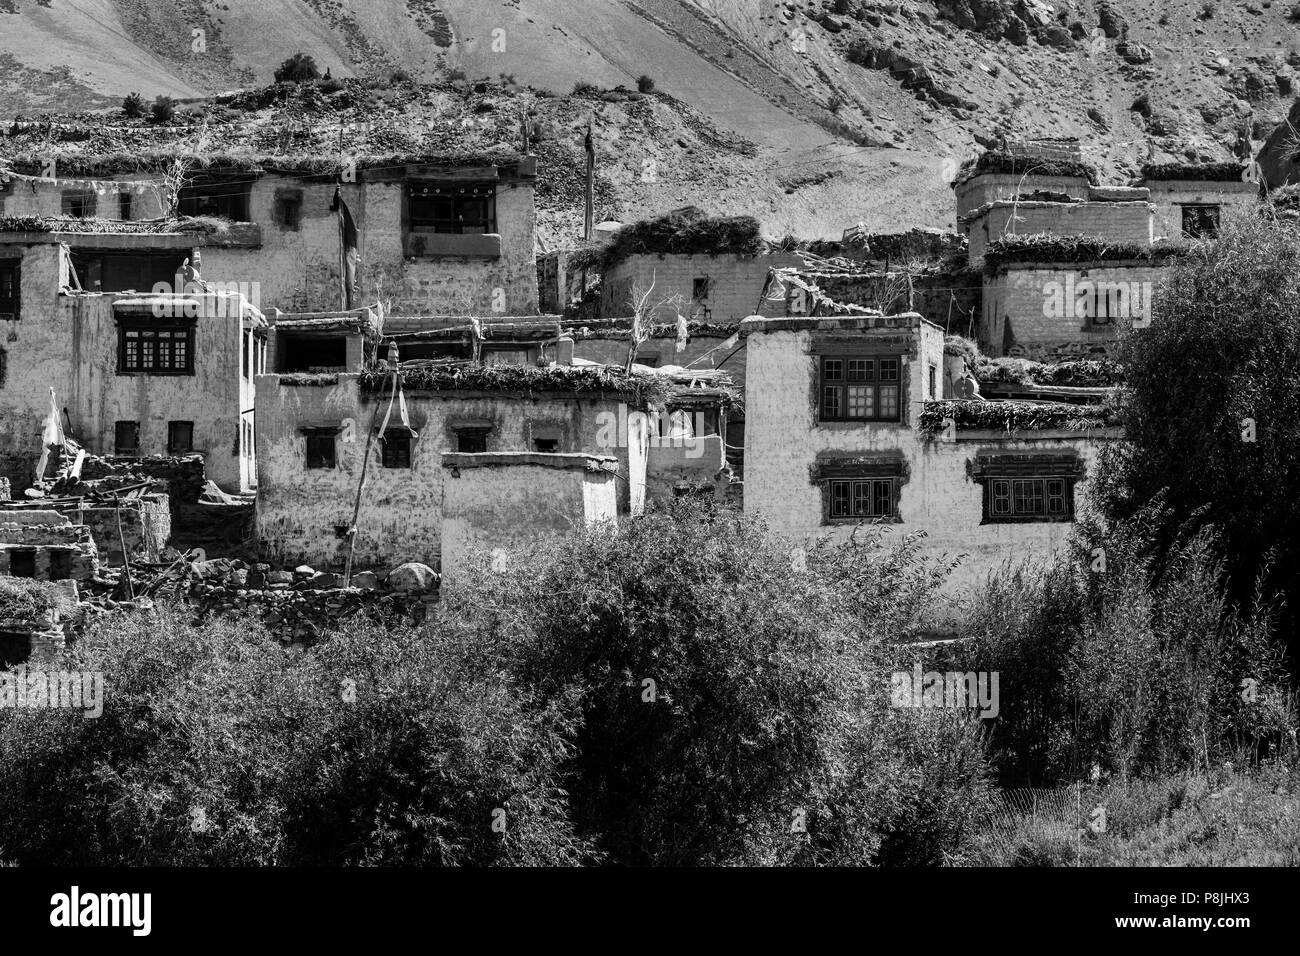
(361, 484)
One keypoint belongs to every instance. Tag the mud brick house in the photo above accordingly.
(436, 233)
(312, 441)
(848, 422)
(1067, 262)
(1190, 199)
(135, 374)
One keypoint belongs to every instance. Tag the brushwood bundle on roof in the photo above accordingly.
(1200, 172)
(1013, 416)
(202, 225)
(1046, 247)
(26, 600)
(1078, 373)
(995, 161)
(530, 380)
(679, 233)
(303, 164)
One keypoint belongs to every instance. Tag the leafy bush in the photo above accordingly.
(1119, 655)
(766, 734)
(1221, 435)
(133, 106)
(163, 109)
(299, 68)
(217, 747)
(645, 84)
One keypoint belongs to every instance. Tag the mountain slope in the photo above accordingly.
(857, 110)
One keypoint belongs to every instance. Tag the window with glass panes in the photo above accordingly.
(860, 388)
(155, 350)
(1020, 498)
(861, 498)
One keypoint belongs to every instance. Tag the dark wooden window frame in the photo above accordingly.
(1027, 489)
(472, 435)
(120, 447)
(320, 448)
(134, 359)
(11, 303)
(397, 448)
(1203, 212)
(844, 380)
(178, 447)
(856, 490)
(458, 197)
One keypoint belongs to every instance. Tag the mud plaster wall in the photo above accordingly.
(303, 512)
(509, 507)
(70, 343)
(784, 440)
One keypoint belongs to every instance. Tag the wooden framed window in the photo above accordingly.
(860, 388)
(224, 198)
(452, 207)
(1027, 488)
(472, 440)
(321, 448)
(1200, 221)
(180, 437)
(861, 498)
(395, 449)
(126, 438)
(288, 209)
(79, 203)
(860, 489)
(10, 286)
(155, 349)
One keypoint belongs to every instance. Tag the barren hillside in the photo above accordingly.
(812, 115)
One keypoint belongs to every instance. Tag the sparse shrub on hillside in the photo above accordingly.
(399, 75)
(645, 84)
(299, 68)
(163, 109)
(331, 86)
(583, 88)
(1208, 9)
(134, 106)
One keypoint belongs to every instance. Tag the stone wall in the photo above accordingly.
(1170, 195)
(1118, 222)
(1049, 311)
(145, 527)
(990, 187)
(735, 285)
(45, 546)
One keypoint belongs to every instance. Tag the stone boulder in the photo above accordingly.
(412, 578)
